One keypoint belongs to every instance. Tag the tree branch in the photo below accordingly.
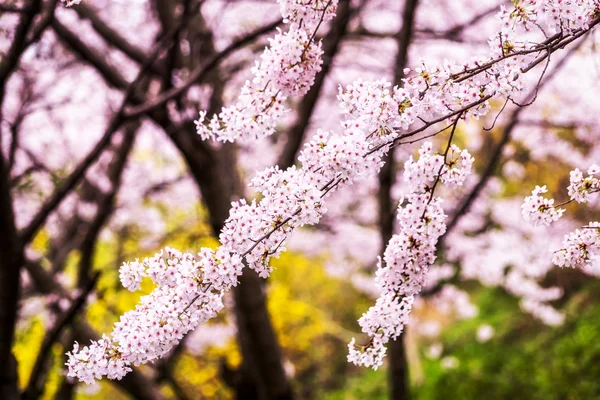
(105, 205)
(11, 256)
(18, 45)
(115, 39)
(398, 380)
(199, 73)
(494, 160)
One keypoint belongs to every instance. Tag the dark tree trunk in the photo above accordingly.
(261, 375)
(399, 379)
(11, 259)
(11, 251)
(399, 383)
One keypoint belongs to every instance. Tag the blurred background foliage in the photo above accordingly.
(523, 360)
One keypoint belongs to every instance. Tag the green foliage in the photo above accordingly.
(524, 360)
(367, 384)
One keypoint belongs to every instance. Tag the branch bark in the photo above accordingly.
(113, 38)
(199, 73)
(105, 205)
(131, 93)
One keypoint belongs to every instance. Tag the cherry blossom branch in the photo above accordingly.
(552, 44)
(471, 74)
(331, 45)
(288, 67)
(366, 351)
(401, 274)
(505, 139)
(396, 141)
(136, 383)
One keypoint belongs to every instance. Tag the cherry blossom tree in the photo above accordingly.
(274, 147)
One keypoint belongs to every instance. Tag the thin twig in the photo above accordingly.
(199, 73)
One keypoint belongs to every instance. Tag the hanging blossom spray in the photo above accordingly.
(402, 272)
(288, 67)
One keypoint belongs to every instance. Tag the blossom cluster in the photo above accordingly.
(340, 157)
(582, 246)
(373, 106)
(309, 12)
(580, 188)
(540, 210)
(551, 15)
(70, 3)
(188, 291)
(257, 230)
(579, 247)
(401, 274)
(288, 67)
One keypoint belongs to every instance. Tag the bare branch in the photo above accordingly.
(114, 38)
(199, 73)
(61, 192)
